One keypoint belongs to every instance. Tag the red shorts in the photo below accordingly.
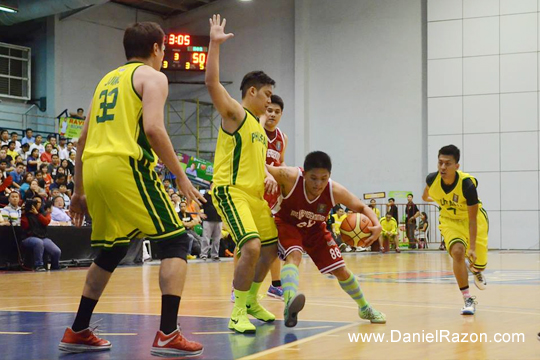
(317, 243)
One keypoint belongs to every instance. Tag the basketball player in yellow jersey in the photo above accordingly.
(115, 180)
(462, 221)
(240, 180)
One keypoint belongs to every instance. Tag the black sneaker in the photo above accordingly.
(216, 258)
(204, 258)
(40, 269)
(61, 267)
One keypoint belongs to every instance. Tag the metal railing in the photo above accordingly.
(41, 124)
(433, 236)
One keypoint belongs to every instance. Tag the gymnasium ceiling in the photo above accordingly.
(164, 8)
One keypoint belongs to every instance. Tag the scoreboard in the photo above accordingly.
(185, 52)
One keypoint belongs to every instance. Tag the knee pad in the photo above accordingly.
(176, 247)
(108, 259)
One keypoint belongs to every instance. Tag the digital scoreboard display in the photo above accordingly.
(185, 52)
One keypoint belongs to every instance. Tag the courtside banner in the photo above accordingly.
(70, 127)
(197, 170)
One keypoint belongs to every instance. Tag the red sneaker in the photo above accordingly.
(82, 341)
(175, 344)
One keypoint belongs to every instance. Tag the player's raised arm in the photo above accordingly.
(154, 88)
(345, 197)
(232, 112)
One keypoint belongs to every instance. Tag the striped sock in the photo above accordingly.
(253, 291)
(351, 287)
(289, 281)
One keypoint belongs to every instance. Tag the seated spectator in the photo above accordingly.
(28, 177)
(65, 165)
(43, 169)
(33, 161)
(11, 213)
(72, 155)
(4, 168)
(15, 138)
(11, 151)
(176, 200)
(38, 145)
(389, 232)
(5, 183)
(54, 165)
(170, 191)
(51, 139)
(64, 194)
(35, 221)
(5, 157)
(373, 206)
(60, 180)
(46, 157)
(24, 152)
(39, 177)
(189, 223)
(28, 139)
(422, 230)
(17, 175)
(33, 191)
(4, 137)
(63, 151)
(59, 215)
(71, 148)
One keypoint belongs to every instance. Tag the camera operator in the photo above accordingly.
(35, 222)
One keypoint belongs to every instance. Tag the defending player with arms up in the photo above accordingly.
(300, 215)
(462, 221)
(119, 145)
(240, 179)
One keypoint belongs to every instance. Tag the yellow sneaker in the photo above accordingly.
(239, 322)
(258, 312)
(191, 257)
(375, 316)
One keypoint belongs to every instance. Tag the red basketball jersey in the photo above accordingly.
(276, 144)
(295, 209)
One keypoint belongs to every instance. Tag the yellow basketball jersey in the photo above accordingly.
(241, 156)
(116, 123)
(452, 205)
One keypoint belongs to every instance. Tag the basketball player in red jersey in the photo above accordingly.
(307, 197)
(275, 156)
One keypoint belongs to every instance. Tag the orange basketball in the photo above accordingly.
(354, 230)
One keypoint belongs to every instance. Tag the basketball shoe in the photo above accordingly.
(239, 322)
(470, 306)
(82, 341)
(293, 307)
(259, 312)
(375, 316)
(275, 292)
(175, 344)
(479, 278)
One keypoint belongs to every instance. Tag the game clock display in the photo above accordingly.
(185, 52)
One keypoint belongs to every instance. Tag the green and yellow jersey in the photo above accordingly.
(454, 199)
(241, 157)
(116, 123)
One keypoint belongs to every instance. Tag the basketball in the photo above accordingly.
(354, 230)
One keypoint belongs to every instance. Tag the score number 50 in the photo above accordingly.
(197, 58)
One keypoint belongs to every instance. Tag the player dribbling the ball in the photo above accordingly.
(300, 215)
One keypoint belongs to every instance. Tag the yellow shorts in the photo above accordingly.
(246, 215)
(457, 231)
(126, 199)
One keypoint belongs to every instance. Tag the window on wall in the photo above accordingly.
(14, 71)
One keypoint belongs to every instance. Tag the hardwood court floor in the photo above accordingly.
(416, 290)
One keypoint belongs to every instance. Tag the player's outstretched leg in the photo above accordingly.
(350, 285)
(294, 302)
(254, 308)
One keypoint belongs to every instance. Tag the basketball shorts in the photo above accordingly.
(246, 215)
(126, 199)
(457, 231)
(318, 244)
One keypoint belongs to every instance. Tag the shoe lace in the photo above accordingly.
(94, 327)
(479, 276)
(471, 301)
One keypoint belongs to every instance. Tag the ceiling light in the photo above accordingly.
(7, 9)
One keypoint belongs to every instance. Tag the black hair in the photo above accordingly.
(28, 129)
(43, 166)
(392, 199)
(41, 136)
(275, 99)
(317, 160)
(14, 133)
(3, 161)
(258, 79)
(139, 39)
(450, 150)
(4, 131)
(25, 145)
(11, 142)
(409, 194)
(82, 108)
(19, 164)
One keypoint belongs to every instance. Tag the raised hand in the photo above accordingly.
(217, 30)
